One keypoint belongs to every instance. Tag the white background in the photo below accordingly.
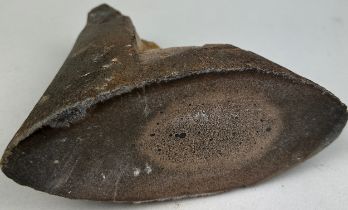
(309, 37)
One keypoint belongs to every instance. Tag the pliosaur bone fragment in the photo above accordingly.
(126, 121)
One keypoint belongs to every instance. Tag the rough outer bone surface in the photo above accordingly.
(126, 121)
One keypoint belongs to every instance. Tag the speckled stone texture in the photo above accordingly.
(126, 121)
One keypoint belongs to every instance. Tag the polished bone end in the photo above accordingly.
(126, 121)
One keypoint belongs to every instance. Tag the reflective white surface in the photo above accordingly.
(310, 37)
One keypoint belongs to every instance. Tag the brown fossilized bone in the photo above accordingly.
(125, 121)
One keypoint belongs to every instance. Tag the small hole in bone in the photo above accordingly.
(180, 135)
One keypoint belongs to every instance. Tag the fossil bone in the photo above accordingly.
(126, 121)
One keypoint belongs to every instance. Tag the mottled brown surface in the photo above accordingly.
(125, 121)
